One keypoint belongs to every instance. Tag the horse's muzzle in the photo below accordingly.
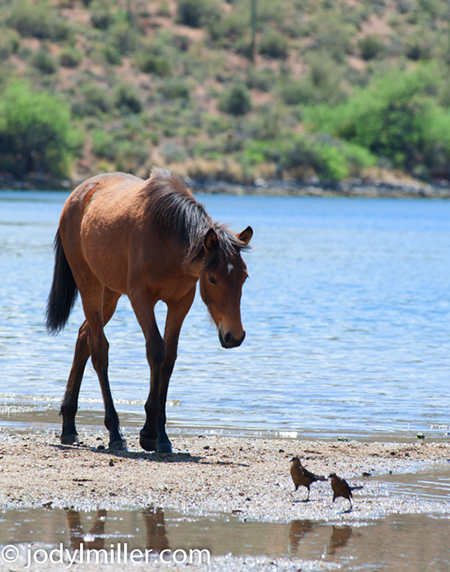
(229, 341)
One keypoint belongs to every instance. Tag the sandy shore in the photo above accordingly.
(245, 476)
(248, 477)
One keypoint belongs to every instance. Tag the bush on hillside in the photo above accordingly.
(35, 132)
(371, 47)
(236, 101)
(394, 117)
(9, 42)
(70, 57)
(38, 21)
(306, 155)
(274, 45)
(155, 64)
(197, 13)
(126, 98)
(174, 88)
(44, 62)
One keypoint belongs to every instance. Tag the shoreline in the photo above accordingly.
(370, 188)
(218, 479)
(207, 474)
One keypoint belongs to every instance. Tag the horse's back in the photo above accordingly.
(95, 227)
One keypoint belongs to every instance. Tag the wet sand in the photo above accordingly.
(247, 478)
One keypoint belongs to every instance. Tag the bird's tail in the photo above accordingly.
(357, 488)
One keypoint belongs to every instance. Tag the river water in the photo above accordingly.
(346, 310)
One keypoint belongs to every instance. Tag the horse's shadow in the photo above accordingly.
(182, 457)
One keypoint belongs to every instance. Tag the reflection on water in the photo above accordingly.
(346, 311)
(396, 543)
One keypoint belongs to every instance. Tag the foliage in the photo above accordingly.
(37, 21)
(44, 62)
(70, 57)
(175, 88)
(235, 101)
(328, 94)
(274, 45)
(126, 98)
(197, 13)
(9, 42)
(35, 132)
(308, 155)
(371, 47)
(393, 117)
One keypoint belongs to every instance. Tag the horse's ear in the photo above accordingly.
(210, 239)
(246, 235)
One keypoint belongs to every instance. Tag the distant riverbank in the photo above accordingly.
(386, 187)
(374, 188)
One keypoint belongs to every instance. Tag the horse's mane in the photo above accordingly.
(176, 214)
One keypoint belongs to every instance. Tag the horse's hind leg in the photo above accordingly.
(70, 402)
(69, 405)
(98, 344)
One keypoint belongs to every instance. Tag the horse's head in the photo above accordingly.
(221, 279)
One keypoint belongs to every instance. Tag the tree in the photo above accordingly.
(35, 132)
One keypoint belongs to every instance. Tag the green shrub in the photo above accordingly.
(155, 64)
(35, 132)
(174, 88)
(9, 42)
(124, 37)
(44, 62)
(127, 99)
(371, 47)
(274, 45)
(332, 35)
(112, 54)
(304, 155)
(96, 99)
(230, 27)
(103, 145)
(101, 15)
(391, 117)
(235, 101)
(262, 79)
(70, 57)
(38, 21)
(197, 13)
(322, 83)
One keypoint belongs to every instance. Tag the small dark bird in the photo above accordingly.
(302, 477)
(342, 489)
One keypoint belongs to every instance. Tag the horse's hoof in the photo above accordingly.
(119, 445)
(164, 447)
(148, 444)
(70, 439)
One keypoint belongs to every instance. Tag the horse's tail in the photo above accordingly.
(63, 292)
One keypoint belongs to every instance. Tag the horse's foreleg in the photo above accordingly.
(69, 405)
(175, 317)
(143, 307)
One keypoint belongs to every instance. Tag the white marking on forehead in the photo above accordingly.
(230, 268)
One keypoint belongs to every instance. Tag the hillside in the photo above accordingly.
(333, 89)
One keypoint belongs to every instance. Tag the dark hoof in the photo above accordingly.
(164, 447)
(148, 444)
(119, 445)
(70, 439)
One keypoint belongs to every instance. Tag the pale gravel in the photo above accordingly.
(248, 477)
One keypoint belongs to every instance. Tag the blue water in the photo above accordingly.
(346, 310)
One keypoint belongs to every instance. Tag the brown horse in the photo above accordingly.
(150, 240)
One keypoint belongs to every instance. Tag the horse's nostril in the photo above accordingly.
(228, 338)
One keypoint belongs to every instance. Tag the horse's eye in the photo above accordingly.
(212, 280)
